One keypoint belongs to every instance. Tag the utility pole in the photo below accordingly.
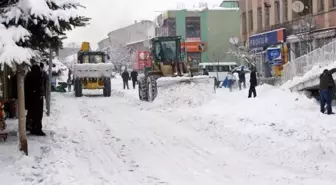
(49, 82)
(21, 110)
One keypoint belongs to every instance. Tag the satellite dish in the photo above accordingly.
(234, 40)
(297, 6)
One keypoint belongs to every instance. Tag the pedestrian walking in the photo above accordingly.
(134, 76)
(125, 77)
(327, 86)
(242, 79)
(34, 100)
(253, 83)
(231, 79)
(205, 72)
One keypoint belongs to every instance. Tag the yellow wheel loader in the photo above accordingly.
(92, 71)
(167, 66)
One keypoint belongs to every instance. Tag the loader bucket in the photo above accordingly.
(167, 81)
(184, 91)
(91, 70)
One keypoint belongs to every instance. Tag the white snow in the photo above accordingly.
(312, 74)
(223, 138)
(29, 10)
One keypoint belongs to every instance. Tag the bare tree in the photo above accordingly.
(306, 32)
(120, 57)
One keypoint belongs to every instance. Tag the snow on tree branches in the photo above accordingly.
(35, 25)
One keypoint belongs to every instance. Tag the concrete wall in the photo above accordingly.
(221, 24)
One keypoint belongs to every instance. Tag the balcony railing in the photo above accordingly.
(302, 24)
(298, 67)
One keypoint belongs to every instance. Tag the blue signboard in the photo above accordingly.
(274, 56)
(267, 38)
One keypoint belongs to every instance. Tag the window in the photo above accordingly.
(171, 24)
(320, 5)
(210, 68)
(193, 27)
(333, 3)
(267, 17)
(244, 28)
(250, 18)
(223, 68)
(196, 59)
(277, 12)
(260, 22)
(285, 10)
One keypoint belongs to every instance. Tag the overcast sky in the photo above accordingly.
(108, 15)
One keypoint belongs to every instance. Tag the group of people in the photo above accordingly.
(126, 77)
(230, 78)
(35, 92)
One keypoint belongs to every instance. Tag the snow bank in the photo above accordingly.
(278, 127)
(314, 73)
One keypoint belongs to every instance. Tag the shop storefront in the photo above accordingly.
(270, 50)
(194, 51)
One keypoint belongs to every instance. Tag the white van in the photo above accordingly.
(218, 69)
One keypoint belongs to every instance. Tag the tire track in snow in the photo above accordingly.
(122, 151)
(190, 157)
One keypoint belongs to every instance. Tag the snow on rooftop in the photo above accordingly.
(204, 8)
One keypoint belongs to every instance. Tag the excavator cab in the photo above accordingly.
(166, 56)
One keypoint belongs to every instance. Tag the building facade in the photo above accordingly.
(209, 28)
(295, 26)
(103, 44)
(134, 33)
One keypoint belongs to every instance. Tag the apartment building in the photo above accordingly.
(294, 26)
(208, 27)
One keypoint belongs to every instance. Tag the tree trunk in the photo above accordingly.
(21, 105)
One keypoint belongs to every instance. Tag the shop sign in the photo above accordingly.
(267, 38)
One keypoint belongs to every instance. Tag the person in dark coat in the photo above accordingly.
(242, 79)
(134, 76)
(327, 85)
(253, 83)
(205, 72)
(34, 100)
(125, 76)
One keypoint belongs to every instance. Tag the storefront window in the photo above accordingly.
(196, 58)
(193, 27)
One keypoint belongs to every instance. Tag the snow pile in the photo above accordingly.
(278, 127)
(69, 61)
(312, 74)
(184, 91)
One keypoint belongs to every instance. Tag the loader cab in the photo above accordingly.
(166, 49)
(93, 57)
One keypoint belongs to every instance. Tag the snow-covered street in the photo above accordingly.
(186, 136)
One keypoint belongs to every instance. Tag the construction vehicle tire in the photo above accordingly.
(142, 87)
(78, 88)
(107, 87)
(151, 88)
